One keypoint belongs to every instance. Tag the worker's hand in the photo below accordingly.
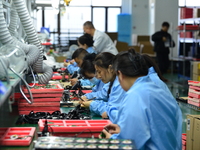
(164, 39)
(104, 134)
(85, 103)
(72, 61)
(73, 81)
(113, 128)
(104, 115)
(65, 64)
(84, 98)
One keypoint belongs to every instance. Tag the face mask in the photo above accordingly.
(94, 81)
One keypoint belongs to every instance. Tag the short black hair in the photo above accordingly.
(165, 24)
(86, 39)
(88, 24)
(87, 65)
(79, 53)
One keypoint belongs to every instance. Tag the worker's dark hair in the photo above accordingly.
(133, 64)
(79, 53)
(86, 39)
(104, 60)
(87, 65)
(89, 24)
(165, 24)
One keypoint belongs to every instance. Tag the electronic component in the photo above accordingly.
(54, 143)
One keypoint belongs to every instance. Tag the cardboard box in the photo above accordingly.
(196, 68)
(60, 58)
(193, 132)
(195, 77)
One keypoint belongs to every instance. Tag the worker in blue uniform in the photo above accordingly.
(87, 70)
(86, 42)
(149, 114)
(115, 92)
(78, 56)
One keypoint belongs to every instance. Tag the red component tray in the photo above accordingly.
(2, 132)
(41, 109)
(39, 104)
(193, 103)
(184, 137)
(37, 99)
(194, 95)
(183, 142)
(26, 112)
(194, 83)
(45, 95)
(183, 147)
(194, 87)
(74, 125)
(20, 132)
(56, 77)
(196, 100)
(58, 89)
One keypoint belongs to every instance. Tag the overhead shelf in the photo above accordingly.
(189, 40)
(190, 20)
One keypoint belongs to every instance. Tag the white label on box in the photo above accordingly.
(188, 124)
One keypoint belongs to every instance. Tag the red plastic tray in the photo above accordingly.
(184, 137)
(183, 147)
(58, 89)
(41, 109)
(20, 132)
(37, 99)
(45, 95)
(26, 112)
(39, 104)
(74, 125)
(58, 77)
(193, 95)
(193, 103)
(196, 100)
(183, 142)
(194, 83)
(194, 87)
(2, 132)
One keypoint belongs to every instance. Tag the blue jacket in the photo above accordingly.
(90, 50)
(114, 100)
(72, 67)
(99, 91)
(150, 115)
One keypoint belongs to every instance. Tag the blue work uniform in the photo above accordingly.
(150, 115)
(115, 97)
(90, 50)
(99, 91)
(72, 67)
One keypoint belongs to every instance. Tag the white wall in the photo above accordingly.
(140, 17)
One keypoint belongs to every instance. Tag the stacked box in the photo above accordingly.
(184, 141)
(196, 71)
(193, 132)
(194, 93)
(186, 13)
(46, 98)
